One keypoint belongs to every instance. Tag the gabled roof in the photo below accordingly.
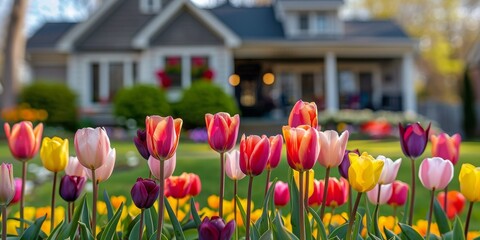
(46, 37)
(374, 29)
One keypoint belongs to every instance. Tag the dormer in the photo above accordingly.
(150, 6)
(310, 18)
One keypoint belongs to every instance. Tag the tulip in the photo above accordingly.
(54, 153)
(105, 171)
(413, 140)
(302, 146)
(343, 168)
(399, 194)
(390, 169)
(140, 142)
(446, 147)
(281, 194)
(455, 202)
(169, 166)
(469, 179)
(215, 229)
(7, 184)
(23, 139)
(18, 191)
(74, 167)
(435, 173)
(144, 193)
(92, 147)
(303, 113)
(332, 149)
(337, 192)
(222, 131)
(232, 165)
(254, 152)
(386, 192)
(71, 187)
(178, 186)
(306, 181)
(317, 197)
(276, 145)
(195, 185)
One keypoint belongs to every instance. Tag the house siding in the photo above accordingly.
(185, 29)
(49, 67)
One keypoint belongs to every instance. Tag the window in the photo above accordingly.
(150, 6)
(303, 22)
(172, 76)
(95, 76)
(107, 78)
(321, 23)
(200, 69)
(116, 79)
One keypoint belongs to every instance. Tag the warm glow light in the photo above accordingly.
(234, 80)
(268, 78)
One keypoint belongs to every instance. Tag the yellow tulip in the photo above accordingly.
(364, 171)
(470, 182)
(54, 153)
(311, 175)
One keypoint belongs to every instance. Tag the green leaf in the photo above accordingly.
(267, 235)
(110, 229)
(279, 231)
(177, 228)
(57, 230)
(409, 232)
(150, 222)
(321, 233)
(135, 230)
(72, 228)
(294, 206)
(242, 210)
(308, 228)
(110, 210)
(264, 221)
(340, 231)
(441, 218)
(390, 235)
(458, 233)
(33, 231)
(405, 209)
(193, 211)
(85, 233)
(358, 223)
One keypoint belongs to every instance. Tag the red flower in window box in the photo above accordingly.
(163, 79)
(208, 75)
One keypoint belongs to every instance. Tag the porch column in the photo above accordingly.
(409, 98)
(104, 82)
(331, 83)
(186, 71)
(128, 73)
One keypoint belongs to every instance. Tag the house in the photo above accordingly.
(267, 57)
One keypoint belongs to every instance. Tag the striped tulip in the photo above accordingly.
(163, 134)
(23, 139)
(446, 147)
(254, 151)
(276, 145)
(222, 130)
(303, 113)
(302, 147)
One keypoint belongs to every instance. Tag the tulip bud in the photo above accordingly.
(364, 172)
(390, 169)
(446, 147)
(469, 179)
(18, 191)
(23, 139)
(178, 186)
(7, 185)
(54, 153)
(215, 229)
(222, 131)
(281, 194)
(71, 187)
(276, 145)
(413, 139)
(332, 148)
(163, 134)
(140, 142)
(302, 146)
(399, 194)
(144, 193)
(303, 113)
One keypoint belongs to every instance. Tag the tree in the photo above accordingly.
(468, 99)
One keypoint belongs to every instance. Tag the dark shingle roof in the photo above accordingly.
(48, 35)
(374, 29)
(250, 22)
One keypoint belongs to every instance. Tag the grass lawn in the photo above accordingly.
(200, 159)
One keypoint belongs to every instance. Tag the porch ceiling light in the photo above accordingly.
(268, 78)
(234, 80)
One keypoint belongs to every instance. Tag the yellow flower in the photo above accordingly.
(12, 226)
(101, 208)
(310, 180)
(133, 210)
(54, 153)
(42, 211)
(256, 214)
(212, 201)
(117, 201)
(207, 212)
(421, 228)
(472, 235)
(470, 182)
(287, 222)
(389, 222)
(364, 172)
(46, 226)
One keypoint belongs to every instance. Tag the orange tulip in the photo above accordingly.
(222, 131)
(446, 147)
(303, 113)
(23, 139)
(455, 203)
(302, 146)
(163, 134)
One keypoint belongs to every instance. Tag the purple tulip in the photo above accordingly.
(215, 229)
(71, 187)
(413, 139)
(141, 143)
(343, 168)
(144, 193)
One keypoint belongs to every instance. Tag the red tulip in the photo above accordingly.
(222, 131)
(446, 147)
(276, 145)
(455, 203)
(337, 192)
(413, 139)
(303, 113)
(399, 194)
(254, 151)
(302, 146)
(23, 139)
(163, 134)
(317, 197)
(281, 194)
(178, 186)
(196, 185)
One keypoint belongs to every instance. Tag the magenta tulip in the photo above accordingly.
(222, 131)
(18, 191)
(446, 147)
(23, 140)
(399, 194)
(276, 145)
(254, 151)
(281, 195)
(163, 134)
(215, 229)
(435, 173)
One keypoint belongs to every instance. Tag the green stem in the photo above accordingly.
(249, 200)
(176, 207)
(350, 200)
(22, 196)
(445, 199)
(161, 200)
(301, 209)
(222, 184)
(94, 205)
(325, 191)
(140, 233)
(375, 212)
(235, 206)
(467, 222)
(69, 211)
(52, 210)
(267, 181)
(4, 222)
(307, 185)
(430, 211)
(352, 216)
(412, 196)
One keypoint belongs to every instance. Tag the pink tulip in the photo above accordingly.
(332, 148)
(74, 168)
(105, 171)
(276, 145)
(303, 113)
(435, 173)
(446, 147)
(302, 146)
(154, 165)
(18, 191)
(163, 134)
(23, 139)
(281, 195)
(7, 185)
(399, 194)
(232, 165)
(389, 171)
(254, 151)
(92, 147)
(385, 194)
(222, 131)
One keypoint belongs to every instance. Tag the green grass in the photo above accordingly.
(200, 159)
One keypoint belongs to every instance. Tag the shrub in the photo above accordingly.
(139, 101)
(56, 98)
(201, 98)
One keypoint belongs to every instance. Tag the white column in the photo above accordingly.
(331, 83)
(128, 73)
(409, 98)
(104, 81)
(186, 71)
